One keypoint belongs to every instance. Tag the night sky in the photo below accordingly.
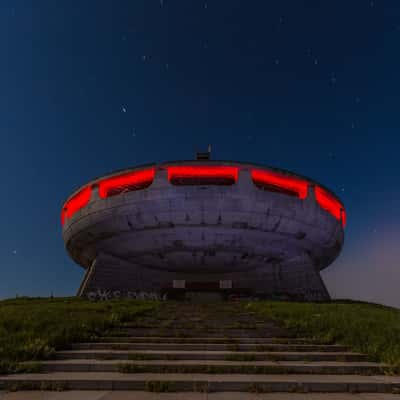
(88, 87)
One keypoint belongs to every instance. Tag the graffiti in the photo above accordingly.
(105, 294)
(311, 294)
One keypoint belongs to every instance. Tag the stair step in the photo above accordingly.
(168, 332)
(145, 395)
(209, 355)
(203, 327)
(202, 382)
(208, 340)
(202, 324)
(208, 347)
(214, 366)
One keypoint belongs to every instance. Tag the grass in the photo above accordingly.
(57, 386)
(368, 328)
(139, 356)
(160, 386)
(33, 328)
(240, 357)
(128, 368)
(233, 347)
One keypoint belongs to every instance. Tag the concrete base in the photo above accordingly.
(111, 277)
(203, 297)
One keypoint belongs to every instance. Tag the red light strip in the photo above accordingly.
(126, 182)
(281, 182)
(203, 172)
(75, 203)
(330, 204)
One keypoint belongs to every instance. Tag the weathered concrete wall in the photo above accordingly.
(111, 277)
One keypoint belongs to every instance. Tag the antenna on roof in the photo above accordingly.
(204, 155)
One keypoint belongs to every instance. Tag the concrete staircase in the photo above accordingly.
(200, 349)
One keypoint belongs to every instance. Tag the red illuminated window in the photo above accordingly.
(126, 182)
(75, 203)
(275, 182)
(202, 175)
(330, 204)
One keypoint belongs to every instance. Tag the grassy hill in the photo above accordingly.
(32, 328)
(368, 328)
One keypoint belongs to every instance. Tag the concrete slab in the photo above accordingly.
(203, 339)
(378, 396)
(45, 395)
(209, 355)
(218, 362)
(214, 383)
(210, 347)
(227, 396)
(220, 366)
(128, 395)
(267, 332)
(290, 396)
(124, 395)
(200, 377)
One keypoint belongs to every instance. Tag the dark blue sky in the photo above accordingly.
(92, 86)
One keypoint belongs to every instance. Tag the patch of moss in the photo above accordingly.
(160, 386)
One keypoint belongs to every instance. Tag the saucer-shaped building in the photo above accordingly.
(203, 226)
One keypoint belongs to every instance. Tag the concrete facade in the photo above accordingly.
(234, 238)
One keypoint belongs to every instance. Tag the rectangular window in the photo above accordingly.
(329, 203)
(126, 182)
(202, 175)
(75, 203)
(275, 182)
